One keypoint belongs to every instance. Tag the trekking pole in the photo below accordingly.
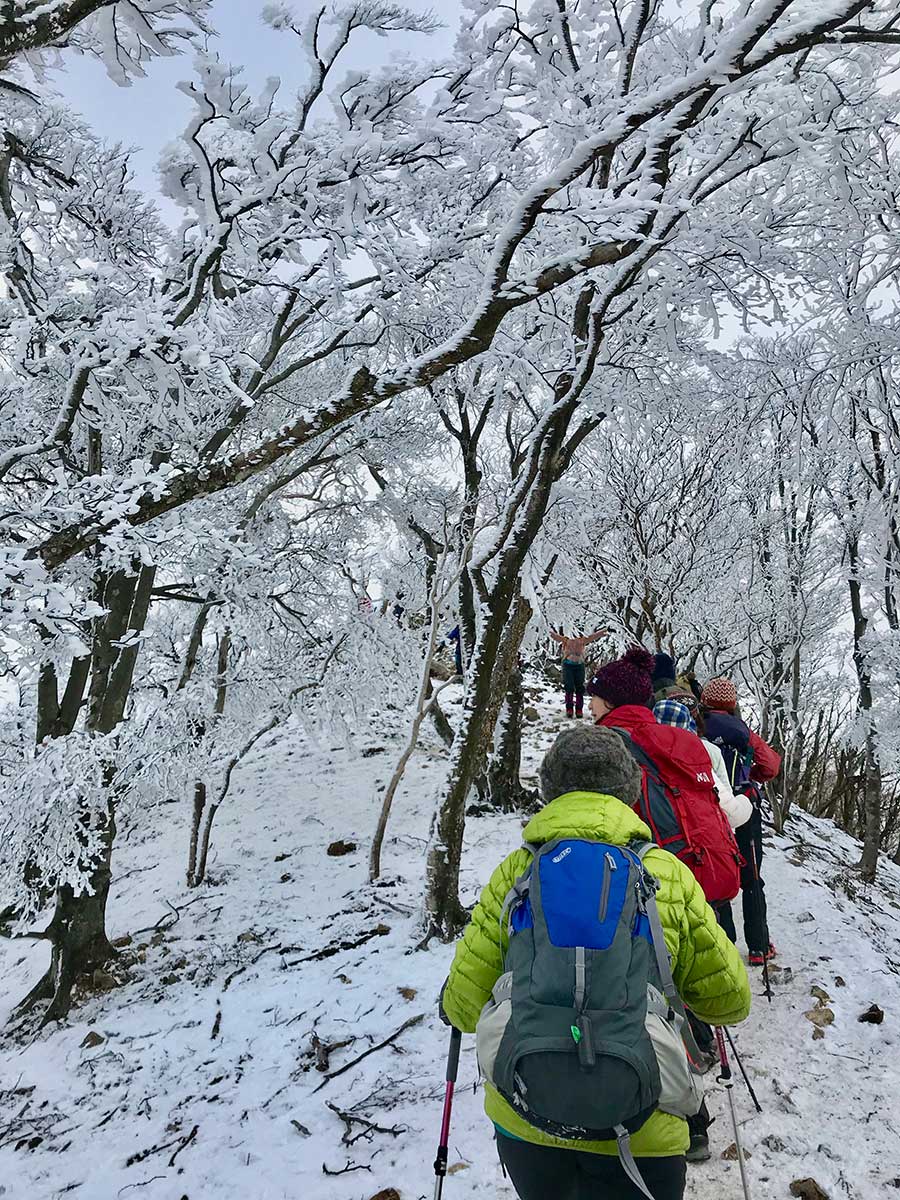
(727, 1080)
(440, 1163)
(759, 901)
(737, 1059)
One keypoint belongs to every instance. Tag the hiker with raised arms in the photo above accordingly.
(572, 649)
(572, 968)
(749, 762)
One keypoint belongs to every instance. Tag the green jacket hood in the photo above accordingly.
(589, 815)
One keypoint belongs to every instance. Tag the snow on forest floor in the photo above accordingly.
(205, 1085)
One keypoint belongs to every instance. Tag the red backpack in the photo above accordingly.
(679, 803)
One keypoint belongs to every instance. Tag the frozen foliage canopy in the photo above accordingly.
(474, 319)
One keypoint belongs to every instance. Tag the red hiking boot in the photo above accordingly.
(756, 958)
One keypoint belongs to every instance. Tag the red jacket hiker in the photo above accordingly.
(685, 769)
(660, 741)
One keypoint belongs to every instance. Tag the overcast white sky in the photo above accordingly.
(152, 112)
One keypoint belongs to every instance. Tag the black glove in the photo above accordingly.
(443, 1016)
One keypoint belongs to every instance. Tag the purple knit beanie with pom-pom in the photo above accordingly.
(625, 681)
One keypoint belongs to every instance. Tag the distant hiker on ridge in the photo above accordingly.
(573, 667)
(562, 1104)
(749, 761)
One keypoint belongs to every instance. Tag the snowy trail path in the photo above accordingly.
(207, 1092)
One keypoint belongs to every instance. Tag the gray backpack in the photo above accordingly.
(585, 1034)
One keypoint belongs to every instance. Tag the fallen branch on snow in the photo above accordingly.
(324, 1050)
(368, 1130)
(336, 947)
(372, 1050)
(346, 1170)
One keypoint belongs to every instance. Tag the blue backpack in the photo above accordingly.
(584, 1034)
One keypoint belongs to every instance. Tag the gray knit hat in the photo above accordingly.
(590, 759)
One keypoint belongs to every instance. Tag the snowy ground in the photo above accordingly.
(205, 1085)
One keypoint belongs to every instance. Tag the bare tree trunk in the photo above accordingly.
(441, 722)
(200, 873)
(422, 709)
(77, 931)
(77, 934)
(427, 695)
(196, 822)
(495, 656)
(497, 649)
(868, 864)
(504, 785)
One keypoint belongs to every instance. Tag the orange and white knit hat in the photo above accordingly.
(719, 694)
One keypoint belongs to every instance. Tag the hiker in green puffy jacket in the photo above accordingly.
(590, 782)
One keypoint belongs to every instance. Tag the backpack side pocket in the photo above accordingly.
(492, 1023)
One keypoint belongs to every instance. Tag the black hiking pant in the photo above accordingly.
(753, 892)
(573, 683)
(546, 1173)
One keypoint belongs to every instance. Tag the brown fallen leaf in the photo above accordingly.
(808, 1189)
(820, 994)
(103, 982)
(387, 1194)
(872, 1016)
(408, 993)
(457, 1167)
(820, 1016)
(91, 1040)
(730, 1154)
(339, 848)
(818, 1034)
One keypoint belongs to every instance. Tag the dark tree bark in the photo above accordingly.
(495, 657)
(872, 789)
(504, 789)
(77, 930)
(77, 935)
(47, 29)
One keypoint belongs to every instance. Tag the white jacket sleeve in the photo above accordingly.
(737, 808)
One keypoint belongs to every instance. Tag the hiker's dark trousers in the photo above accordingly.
(545, 1173)
(753, 894)
(573, 682)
